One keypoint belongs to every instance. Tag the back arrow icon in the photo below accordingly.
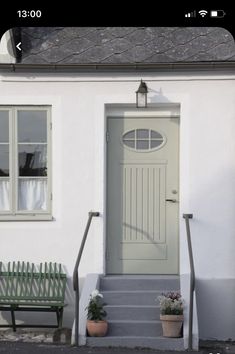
(18, 46)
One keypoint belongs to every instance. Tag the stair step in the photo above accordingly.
(160, 343)
(147, 282)
(136, 297)
(134, 328)
(132, 312)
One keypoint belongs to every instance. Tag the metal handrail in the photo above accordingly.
(192, 280)
(75, 273)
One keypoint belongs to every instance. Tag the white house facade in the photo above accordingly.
(140, 168)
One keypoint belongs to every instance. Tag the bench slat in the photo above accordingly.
(31, 303)
(8, 277)
(44, 278)
(54, 281)
(40, 280)
(49, 281)
(31, 298)
(23, 281)
(17, 275)
(26, 279)
(59, 280)
(31, 280)
(11, 285)
(63, 283)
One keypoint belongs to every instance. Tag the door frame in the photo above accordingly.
(125, 111)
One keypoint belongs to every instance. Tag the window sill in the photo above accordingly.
(27, 217)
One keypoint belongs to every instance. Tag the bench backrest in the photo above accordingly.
(26, 281)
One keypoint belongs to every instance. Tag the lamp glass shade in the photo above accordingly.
(141, 99)
(141, 95)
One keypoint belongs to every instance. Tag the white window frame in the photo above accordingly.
(28, 215)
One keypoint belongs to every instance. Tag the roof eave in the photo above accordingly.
(121, 67)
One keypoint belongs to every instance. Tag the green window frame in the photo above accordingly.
(25, 163)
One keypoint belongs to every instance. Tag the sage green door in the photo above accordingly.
(142, 195)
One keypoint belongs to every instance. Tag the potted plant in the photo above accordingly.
(171, 313)
(96, 325)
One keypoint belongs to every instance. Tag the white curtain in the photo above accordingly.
(32, 194)
(4, 195)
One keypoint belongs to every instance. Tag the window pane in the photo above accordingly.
(32, 194)
(156, 135)
(4, 195)
(32, 160)
(4, 160)
(129, 135)
(155, 143)
(142, 145)
(130, 143)
(142, 133)
(32, 126)
(4, 126)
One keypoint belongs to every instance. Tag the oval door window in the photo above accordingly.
(143, 139)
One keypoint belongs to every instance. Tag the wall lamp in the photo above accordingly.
(141, 95)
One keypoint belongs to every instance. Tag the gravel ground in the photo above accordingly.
(38, 342)
(38, 348)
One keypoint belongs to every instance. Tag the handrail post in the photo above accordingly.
(75, 273)
(192, 279)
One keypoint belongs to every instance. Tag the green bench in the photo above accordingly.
(27, 287)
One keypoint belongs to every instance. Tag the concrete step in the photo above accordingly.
(132, 312)
(154, 342)
(134, 282)
(134, 328)
(136, 297)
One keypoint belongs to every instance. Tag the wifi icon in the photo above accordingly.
(203, 13)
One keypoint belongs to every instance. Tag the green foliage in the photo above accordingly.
(95, 310)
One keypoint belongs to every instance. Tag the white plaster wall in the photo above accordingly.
(207, 174)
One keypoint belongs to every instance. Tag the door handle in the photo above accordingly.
(171, 200)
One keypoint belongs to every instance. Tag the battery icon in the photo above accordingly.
(217, 13)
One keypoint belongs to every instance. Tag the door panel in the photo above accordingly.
(143, 198)
(142, 172)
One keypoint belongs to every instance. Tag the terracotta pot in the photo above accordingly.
(97, 328)
(171, 325)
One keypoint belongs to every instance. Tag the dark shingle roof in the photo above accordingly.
(132, 45)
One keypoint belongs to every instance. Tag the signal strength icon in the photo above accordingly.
(203, 13)
(191, 14)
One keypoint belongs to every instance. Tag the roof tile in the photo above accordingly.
(81, 45)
